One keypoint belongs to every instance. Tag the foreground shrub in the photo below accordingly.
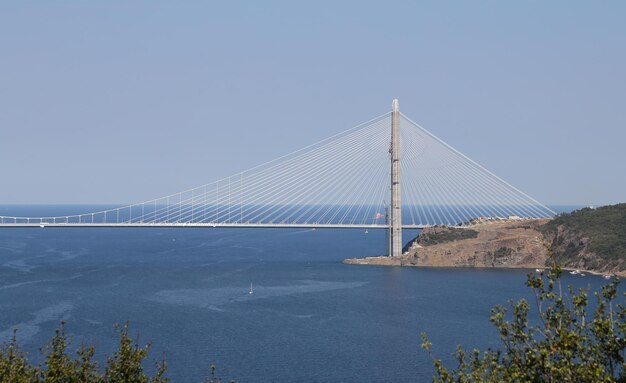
(565, 344)
(124, 366)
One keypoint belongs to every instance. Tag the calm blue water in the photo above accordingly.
(311, 318)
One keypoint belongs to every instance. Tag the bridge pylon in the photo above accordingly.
(337, 182)
(395, 222)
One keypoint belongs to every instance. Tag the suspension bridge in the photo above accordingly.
(387, 173)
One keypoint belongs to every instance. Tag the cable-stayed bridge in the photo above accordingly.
(388, 173)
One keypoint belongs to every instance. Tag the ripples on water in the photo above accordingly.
(310, 317)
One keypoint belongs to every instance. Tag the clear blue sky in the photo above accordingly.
(114, 102)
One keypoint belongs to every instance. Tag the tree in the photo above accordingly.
(60, 368)
(124, 366)
(14, 367)
(562, 344)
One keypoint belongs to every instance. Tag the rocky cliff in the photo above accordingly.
(493, 244)
(496, 244)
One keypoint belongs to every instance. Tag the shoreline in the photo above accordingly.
(387, 261)
(510, 244)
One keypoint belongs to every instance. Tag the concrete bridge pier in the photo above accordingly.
(395, 222)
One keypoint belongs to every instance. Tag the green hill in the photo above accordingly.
(592, 239)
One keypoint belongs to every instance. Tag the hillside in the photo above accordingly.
(495, 244)
(591, 239)
(587, 239)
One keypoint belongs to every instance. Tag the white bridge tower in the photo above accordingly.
(395, 222)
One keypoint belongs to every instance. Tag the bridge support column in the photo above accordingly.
(395, 227)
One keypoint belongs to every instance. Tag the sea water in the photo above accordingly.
(186, 291)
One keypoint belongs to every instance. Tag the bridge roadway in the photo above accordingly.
(214, 225)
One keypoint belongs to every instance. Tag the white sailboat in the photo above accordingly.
(251, 290)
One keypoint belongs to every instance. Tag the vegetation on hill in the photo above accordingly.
(593, 239)
(436, 235)
(126, 365)
(567, 344)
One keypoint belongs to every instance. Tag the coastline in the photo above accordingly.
(385, 260)
(497, 244)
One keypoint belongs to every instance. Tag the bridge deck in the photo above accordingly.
(213, 225)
